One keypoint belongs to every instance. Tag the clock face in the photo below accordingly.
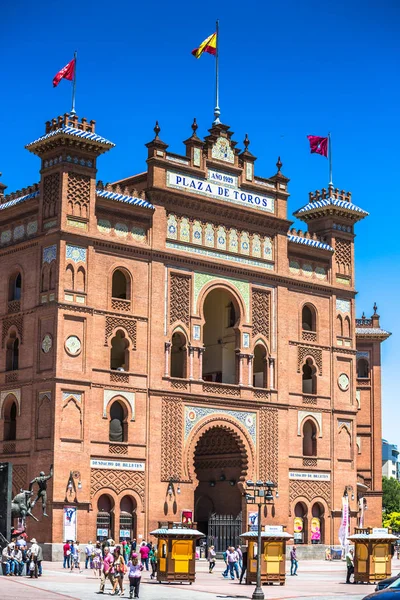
(343, 382)
(47, 343)
(73, 345)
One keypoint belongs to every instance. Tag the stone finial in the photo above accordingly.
(375, 308)
(194, 127)
(157, 130)
(279, 164)
(246, 141)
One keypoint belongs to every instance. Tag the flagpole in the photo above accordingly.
(217, 111)
(330, 159)
(73, 111)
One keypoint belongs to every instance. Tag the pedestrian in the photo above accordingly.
(97, 560)
(108, 570)
(240, 554)
(244, 564)
(233, 560)
(39, 561)
(328, 554)
(67, 555)
(350, 565)
(133, 545)
(32, 557)
(293, 560)
(88, 553)
(225, 557)
(120, 569)
(144, 554)
(153, 561)
(18, 561)
(211, 558)
(7, 559)
(134, 573)
(21, 544)
(75, 557)
(111, 545)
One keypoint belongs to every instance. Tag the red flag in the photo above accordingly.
(318, 145)
(66, 72)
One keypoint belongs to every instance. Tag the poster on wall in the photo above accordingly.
(69, 522)
(315, 530)
(187, 517)
(253, 521)
(298, 529)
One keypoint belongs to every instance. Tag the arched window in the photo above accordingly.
(178, 355)
(120, 285)
(105, 516)
(10, 421)
(309, 377)
(308, 318)
(52, 284)
(346, 327)
(301, 522)
(339, 326)
(117, 430)
(12, 353)
(309, 438)
(69, 277)
(127, 518)
(317, 524)
(220, 337)
(119, 352)
(45, 278)
(15, 287)
(260, 366)
(80, 280)
(362, 368)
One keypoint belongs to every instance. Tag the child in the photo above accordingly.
(134, 574)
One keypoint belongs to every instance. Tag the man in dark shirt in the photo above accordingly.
(293, 561)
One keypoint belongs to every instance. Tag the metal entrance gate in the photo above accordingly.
(224, 531)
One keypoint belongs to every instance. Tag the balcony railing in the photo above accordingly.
(120, 304)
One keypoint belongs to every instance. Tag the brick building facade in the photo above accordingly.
(166, 337)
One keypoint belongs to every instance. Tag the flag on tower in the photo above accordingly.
(209, 45)
(67, 72)
(318, 145)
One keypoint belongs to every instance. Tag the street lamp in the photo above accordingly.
(260, 493)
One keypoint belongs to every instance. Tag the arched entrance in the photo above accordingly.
(127, 519)
(317, 524)
(105, 517)
(300, 524)
(220, 461)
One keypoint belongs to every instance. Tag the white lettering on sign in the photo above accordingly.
(273, 528)
(309, 476)
(117, 465)
(220, 191)
(380, 530)
(224, 178)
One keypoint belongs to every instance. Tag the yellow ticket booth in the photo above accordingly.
(176, 552)
(372, 554)
(273, 555)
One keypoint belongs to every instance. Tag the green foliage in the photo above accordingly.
(392, 520)
(391, 495)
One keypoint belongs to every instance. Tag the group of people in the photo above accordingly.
(111, 562)
(17, 559)
(234, 558)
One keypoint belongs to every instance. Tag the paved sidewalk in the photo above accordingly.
(317, 580)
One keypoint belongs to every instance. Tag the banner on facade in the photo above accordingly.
(69, 523)
(187, 517)
(345, 524)
(253, 521)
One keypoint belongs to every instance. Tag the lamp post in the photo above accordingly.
(260, 493)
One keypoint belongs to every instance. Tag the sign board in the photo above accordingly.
(117, 465)
(298, 536)
(273, 528)
(124, 533)
(303, 475)
(102, 533)
(253, 521)
(220, 186)
(380, 530)
(69, 523)
(187, 517)
(298, 525)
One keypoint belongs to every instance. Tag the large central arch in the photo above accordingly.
(220, 463)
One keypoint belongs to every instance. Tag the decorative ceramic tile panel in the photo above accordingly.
(172, 228)
(320, 273)
(307, 269)
(221, 238)
(121, 229)
(343, 306)
(267, 248)
(184, 230)
(193, 414)
(197, 233)
(233, 241)
(294, 267)
(76, 395)
(223, 151)
(243, 287)
(5, 237)
(75, 253)
(249, 171)
(244, 243)
(361, 354)
(256, 246)
(196, 332)
(49, 253)
(104, 226)
(196, 157)
(246, 340)
(138, 234)
(32, 228)
(19, 232)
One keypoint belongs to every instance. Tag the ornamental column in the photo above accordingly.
(191, 352)
(201, 352)
(272, 373)
(250, 368)
(167, 348)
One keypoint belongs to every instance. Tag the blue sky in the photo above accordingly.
(287, 69)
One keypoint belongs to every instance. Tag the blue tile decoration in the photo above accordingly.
(75, 253)
(73, 132)
(49, 253)
(193, 414)
(19, 200)
(296, 239)
(343, 305)
(123, 198)
(220, 255)
(331, 202)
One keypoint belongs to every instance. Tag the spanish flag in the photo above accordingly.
(209, 45)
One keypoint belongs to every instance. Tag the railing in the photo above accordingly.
(309, 336)
(118, 449)
(310, 462)
(119, 377)
(221, 389)
(120, 305)
(14, 306)
(364, 322)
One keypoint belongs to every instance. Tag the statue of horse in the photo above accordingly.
(21, 506)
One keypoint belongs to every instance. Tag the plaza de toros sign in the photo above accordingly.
(221, 186)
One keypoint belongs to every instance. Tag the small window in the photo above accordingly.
(309, 438)
(178, 355)
(308, 319)
(12, 353)
(117, 424)
(10, 422)
(362, 368)
(120, 285)
(260, 367)
(15, 286)
(309, 377)
(119, 352)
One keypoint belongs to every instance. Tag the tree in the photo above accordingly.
(391, 495)
(392, 520)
